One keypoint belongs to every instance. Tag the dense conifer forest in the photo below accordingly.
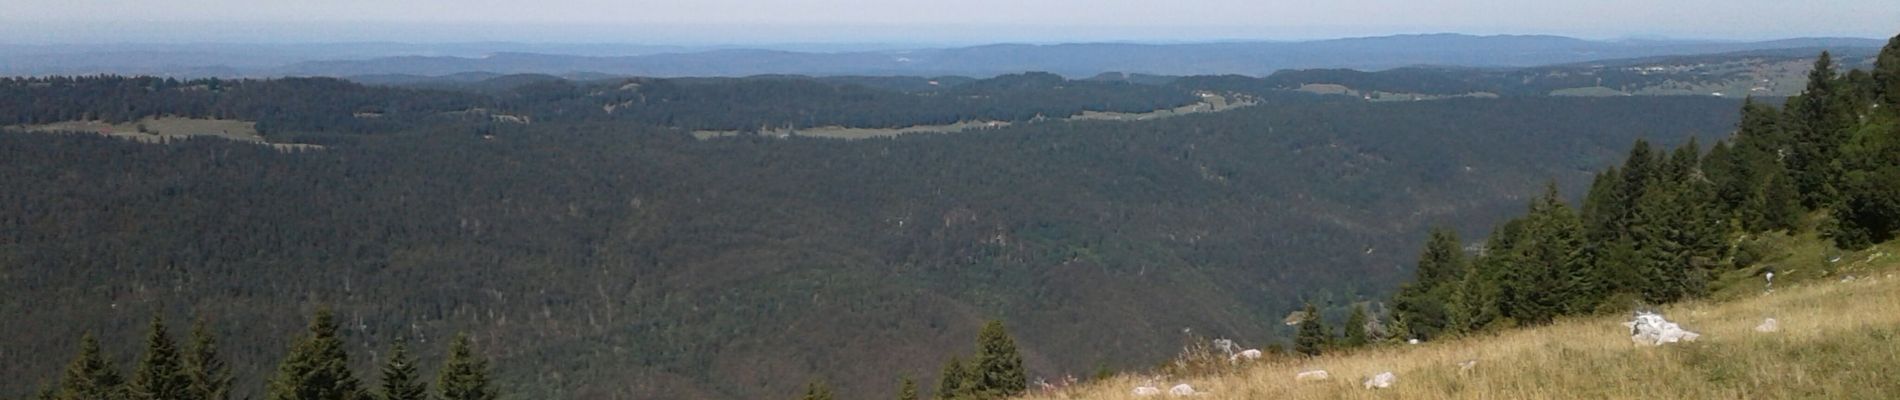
(573, 246)
(1660, 227)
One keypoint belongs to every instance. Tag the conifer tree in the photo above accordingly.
(1621, 267)
(1603, 209)
(1640, 170)
(1356, 334)
(209, 376)
(160, 375)
(1479, 295)
(1424, 302)
(997, 370)
(1860, 90)
(907, 389)
(464, 375)
(317, 367)
(90, 376)
(1723, 170)
(1312, 337)
(1760, 176)
(817, 390)
(1603, 218)
(1823, 115)
(400, 381)
(1659, 256)
(1399, 332)
(1869, 211)
(1547, 275)
(1887, 73)
(1779, 204)
(950, 385)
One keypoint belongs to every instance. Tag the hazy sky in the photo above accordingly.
(964, 21)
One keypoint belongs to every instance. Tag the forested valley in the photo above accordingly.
(578, 237)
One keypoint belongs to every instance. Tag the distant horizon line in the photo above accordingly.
(735, 45)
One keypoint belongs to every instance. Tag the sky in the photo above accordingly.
(702, 22)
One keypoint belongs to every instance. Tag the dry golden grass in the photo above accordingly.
(1837, 341)
(157, 129)
(1209, 103)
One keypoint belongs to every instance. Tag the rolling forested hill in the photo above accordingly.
(600, 256)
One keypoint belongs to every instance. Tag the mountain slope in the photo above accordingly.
(619, 259)
(1836, 340)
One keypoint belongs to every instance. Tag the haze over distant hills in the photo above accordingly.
(1073, 59)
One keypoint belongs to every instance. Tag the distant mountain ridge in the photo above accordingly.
(1257, 58)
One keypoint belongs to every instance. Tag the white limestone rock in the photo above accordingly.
(1652, 330)
(1382, 381)
(1768, 326)
(1312, 376)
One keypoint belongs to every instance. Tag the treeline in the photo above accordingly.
(317, 367)
(326, 111)
(768, 102)
(994, 372)
(1661, 226)
(1539, 81)
(282, 108)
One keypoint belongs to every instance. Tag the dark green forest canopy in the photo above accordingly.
(603, 250)
(330, 111)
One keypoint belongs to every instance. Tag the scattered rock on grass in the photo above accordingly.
(1651, 329)
(1314, 375)
(1768, 326)
(1183, 390)
(1382, 380)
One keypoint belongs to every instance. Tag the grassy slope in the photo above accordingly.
(1837, 340)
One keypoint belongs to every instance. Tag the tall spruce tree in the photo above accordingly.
(317, 367)
(1641, 169)
(907, 389)
(1660, 258)
(817, 390)
(1887, 73)
(1312, 338)
(1723, 169)
(1869, 211)
(1480, 295)
(464, 375)
(160, 374)
(997, 371)
(210, 377)
(1823, 115)
(1603, 217)
(1622, 268)
(1356, 333)
(951, 383)
(1779, 203)
(1761, 179)
(1603, 208)
(400, 381)
(1399, 332)
(1424, 303)
(1548, 252)
(90, 376)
